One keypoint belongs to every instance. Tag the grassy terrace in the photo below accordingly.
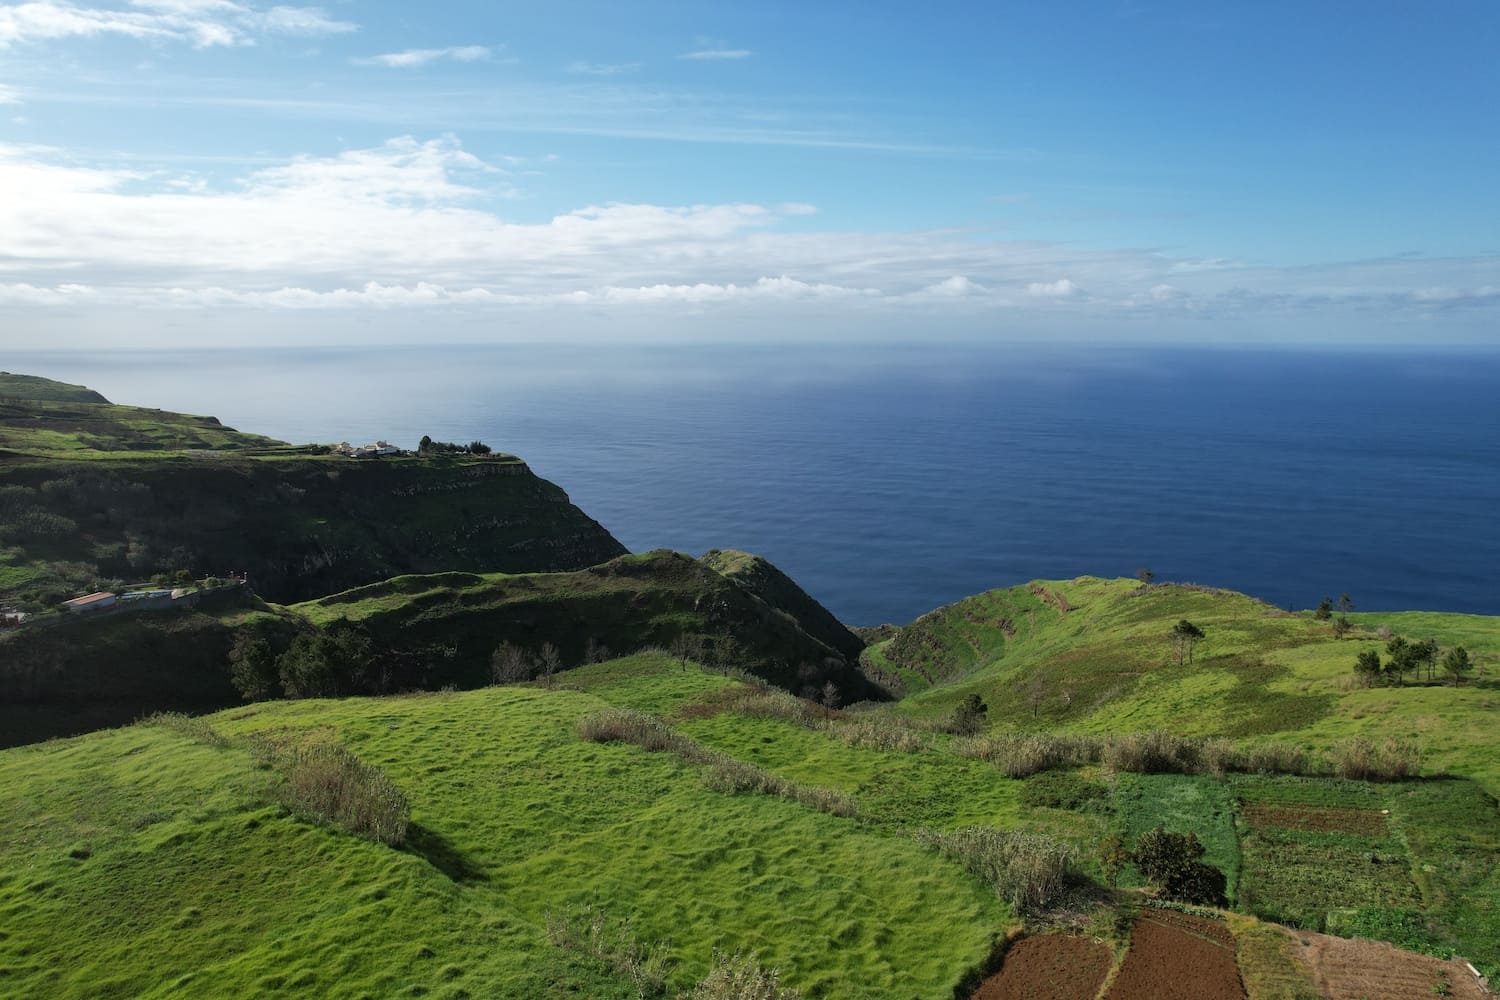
(140, 859)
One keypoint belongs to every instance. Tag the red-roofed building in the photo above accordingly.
(90, 602)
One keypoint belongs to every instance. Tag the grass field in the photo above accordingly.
(137, 860)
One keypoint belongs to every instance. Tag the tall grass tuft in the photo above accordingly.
(325, 782)
(741, 977)
(612, 943)
(194, 727)
(1391, 760)
(1021, 755)
(1154, 752)
(724, 774)
(1027, 870)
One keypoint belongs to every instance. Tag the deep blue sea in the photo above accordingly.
(890, 480)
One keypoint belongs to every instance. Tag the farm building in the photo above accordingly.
(90, 602)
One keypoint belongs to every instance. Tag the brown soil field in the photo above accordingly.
(1365, 822)
(1374, 970)
(1049, 967)
(1174, 956)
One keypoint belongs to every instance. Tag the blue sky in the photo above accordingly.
(1131, 171)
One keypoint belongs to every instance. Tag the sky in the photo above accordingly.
(178, 172)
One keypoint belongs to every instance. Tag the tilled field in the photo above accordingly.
(1364, 822)
(1175, 956)
(1049, 967)
(1374, 970)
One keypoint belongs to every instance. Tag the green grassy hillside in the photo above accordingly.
(93, 495)
(780, 591)
(154, 860)
(1096, 656)
(34, 387)
(623, 605)
(421, 633)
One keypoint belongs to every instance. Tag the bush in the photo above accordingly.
(1062, 790)
(1027, 870)
(1022, 755)
(1172, 862)
(881, 732)
(325, 782)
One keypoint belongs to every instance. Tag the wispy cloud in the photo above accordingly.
(412, 58)
(710, 48)
(9, 95)
(200, 23)
(602, 69)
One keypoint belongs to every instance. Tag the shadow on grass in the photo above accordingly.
(439, 852)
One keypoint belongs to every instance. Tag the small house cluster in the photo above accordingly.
(377, 450)
(11, 619)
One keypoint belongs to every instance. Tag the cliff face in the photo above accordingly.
(91, 492)
(302, 527)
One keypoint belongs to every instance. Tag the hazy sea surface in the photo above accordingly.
(890, 480)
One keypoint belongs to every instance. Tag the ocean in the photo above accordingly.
(889, 480)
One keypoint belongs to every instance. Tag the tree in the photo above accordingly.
(1345, 605)
(726, 653)
(550, 660)
(687, 647)
(324, 664)
(1112, 855)
(478, 448)
(1425, 651)
(252, 668)
(1341, 627)
(1367, 666)
(968, 717)
(830, 696)
(1325, 609)
(1145, 575)
(510, 664)
(1184, 635)
(1456, 661)
(595, 651)
(1172, 863)
(1403, 658)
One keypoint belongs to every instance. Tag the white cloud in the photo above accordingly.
(717, 54)
(412, 58)
(412, 224)
(200, 23)
(602, 69)
(9, 95)
(1061, 289)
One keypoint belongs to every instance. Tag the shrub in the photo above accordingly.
(1022, 755)
(1027, 870)
(968, 718)
(325, 782)
(1172, 862)
(741, 977)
